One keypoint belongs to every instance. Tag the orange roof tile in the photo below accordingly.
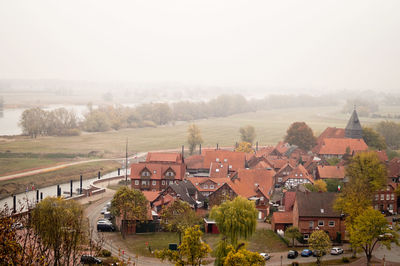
(394, 167)
(164, 157)
(151, 195)
(194, 161)
(282, 217)
(264, 151)
(157, 170)
(335, 146)
(331, 171)
(235, 160)
(219, 170)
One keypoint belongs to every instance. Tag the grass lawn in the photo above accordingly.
(88, 170)
(263, 240)
(10, 165)
(331, 262)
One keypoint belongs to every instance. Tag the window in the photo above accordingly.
(376, 196)
(205, 186)
(153, 183)
(320, 223)
(382, 197)
(163, 182)
(155, 172)
(145, 173)
(311, 224)
(230, 166)
(211, 186)
(136, 182)
(331, 223)
(217, 159)
(279, 179)
(171, 182)
(225, 160)
(392, 196)
(144, 182)
(305, 237)
(217, 170)
(390, 207)
(169, 173)
(376, 207)
(387, 196)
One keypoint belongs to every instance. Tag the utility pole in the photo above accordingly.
(126, 163)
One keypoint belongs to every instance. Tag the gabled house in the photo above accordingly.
(206, 185)
(157, 172)
(297, 176)
(234, 160)
(314, 211)
(386, 199)
(253, 184)
(335, 147)
(185, 191)
(325, 172)
(282, 173)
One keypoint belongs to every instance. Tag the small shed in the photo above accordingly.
(210, 226)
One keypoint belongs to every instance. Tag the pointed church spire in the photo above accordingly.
(353, 129)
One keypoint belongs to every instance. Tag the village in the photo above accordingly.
(283, 182)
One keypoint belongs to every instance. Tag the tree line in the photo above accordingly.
(62, 122)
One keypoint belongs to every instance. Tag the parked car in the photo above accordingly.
(306, 253)
(266, 256)
(105, 225)
(103, 210)
(292, 254)
(318, 253)
(336, 251)
(87, 259)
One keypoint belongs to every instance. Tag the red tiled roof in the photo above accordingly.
(167, 199)
(194, 161)
(282, 147)
(247, 181)
(282, 217)
(279, 162)
(151, 195)
(394, 167)
(262, 164)
(335, 146)
(157, 170)
(299, 173)
(219, 170)
(164, 157)
(264, 151)
(331, 132)
(235, 160)
(198, 181)
(331, 171)
(382, 156)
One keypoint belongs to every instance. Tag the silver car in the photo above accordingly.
(336, 251)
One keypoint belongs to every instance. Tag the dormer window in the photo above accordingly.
(145, 173)
(170, 174)
(230, 166)
(225, 160)
(205, 186)
(217, 159)
(217, 170)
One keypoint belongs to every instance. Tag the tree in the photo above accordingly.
(10, 249)
(131, 204)
(373, 139)
(242, 256)
(194, 137)
(320, 243)
(247, 134)
(191, 252)
(33, 122)
(301, 135)
(178, 216)
(60, 225)
(235, 219)
(292, 232)
(391, 132)
(244, 147)
(369, 228)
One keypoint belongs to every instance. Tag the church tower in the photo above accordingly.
(353, 129)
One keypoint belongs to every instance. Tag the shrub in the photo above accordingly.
(105, 253)
(345, 260)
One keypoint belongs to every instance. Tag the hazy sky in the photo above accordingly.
(297, 44)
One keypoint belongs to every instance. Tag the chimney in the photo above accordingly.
(183, 153)
(257, 146)
(200, 148)
(217, 146)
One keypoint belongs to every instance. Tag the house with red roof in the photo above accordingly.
(207, 185)
(325, 172)
(158, 171)
(394, 170)
(386, 199)
(338, 147)
(233, 159)
(253, 184)
(282, 173)
(297, 176)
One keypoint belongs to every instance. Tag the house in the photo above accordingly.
(331, 132)
(281, 220)
(158, 171)
(253, 184)
(207, 185)
(394, 170)
(297, 176)
(194, 164)
(234, 160)
(282, 173)
(314, 211)
(185, 191)
(325, 172)
(386, 199)
(338, 147)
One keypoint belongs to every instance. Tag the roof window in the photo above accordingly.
(225, 160)
(217, 159)
(322, 211)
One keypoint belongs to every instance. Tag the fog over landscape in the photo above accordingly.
(206, 47)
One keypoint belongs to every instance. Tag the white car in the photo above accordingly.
(336, 251)
(266, 256)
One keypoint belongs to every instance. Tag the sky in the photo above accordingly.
(320, 45)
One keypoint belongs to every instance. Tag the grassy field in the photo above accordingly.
(270, 127)
(262, 241)
(88, 170)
